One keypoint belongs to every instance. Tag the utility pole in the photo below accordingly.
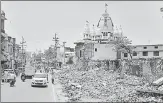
(0, 58)
(22, 46)
(64, 52)
(55, 39)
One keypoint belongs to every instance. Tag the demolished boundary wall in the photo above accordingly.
(138, 67)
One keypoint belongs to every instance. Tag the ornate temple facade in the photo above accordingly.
(98, 41)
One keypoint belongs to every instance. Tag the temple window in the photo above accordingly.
(95, 49)
(106, 34)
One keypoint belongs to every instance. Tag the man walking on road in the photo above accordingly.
(6, 74)
(13, 77)
(52, 77)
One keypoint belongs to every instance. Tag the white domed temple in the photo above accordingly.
(99, 40)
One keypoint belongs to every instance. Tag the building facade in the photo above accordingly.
(8, 47)
(69, 54)
(145, 51)
(11, 51)
(4, 38)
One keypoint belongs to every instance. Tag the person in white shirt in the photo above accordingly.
(13, 76)
(5, 76)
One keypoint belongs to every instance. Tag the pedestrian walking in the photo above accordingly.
(53, 77)
(47, 78)
(13, 76)
(12, 79)
(6, 76)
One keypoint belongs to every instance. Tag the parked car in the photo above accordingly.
(9, 71)
(39, 79)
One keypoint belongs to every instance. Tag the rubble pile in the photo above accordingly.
(105, 85)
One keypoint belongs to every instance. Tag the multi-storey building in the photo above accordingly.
(4, 38)
(11, 51)
(17, 56)
(145, 51)
(8, 46)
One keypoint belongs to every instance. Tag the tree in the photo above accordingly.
(123, 44)
(49, 54)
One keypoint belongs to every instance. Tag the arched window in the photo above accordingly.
(105, 33)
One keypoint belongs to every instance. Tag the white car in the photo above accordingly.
(39, 79)
(8, 77)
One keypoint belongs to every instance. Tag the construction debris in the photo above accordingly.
(105, 85)
(158, 82)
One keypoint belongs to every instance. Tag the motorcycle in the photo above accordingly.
(12, 83)
(52, 81)
(23, 78)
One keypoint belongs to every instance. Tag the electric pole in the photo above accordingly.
(0, 58)
(55, 39)
(22, 46)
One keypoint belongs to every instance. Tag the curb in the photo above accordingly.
(60, 96)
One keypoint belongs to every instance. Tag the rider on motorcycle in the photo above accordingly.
(23, 75)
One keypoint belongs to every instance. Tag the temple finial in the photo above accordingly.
(106, 7)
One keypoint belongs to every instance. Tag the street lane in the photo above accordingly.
(23, 92)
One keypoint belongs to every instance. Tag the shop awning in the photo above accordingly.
(4, 35)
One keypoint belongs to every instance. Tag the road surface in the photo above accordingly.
(23, 92)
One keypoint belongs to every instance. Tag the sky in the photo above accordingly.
(38, 21)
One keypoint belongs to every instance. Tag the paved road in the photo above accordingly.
(23, 92)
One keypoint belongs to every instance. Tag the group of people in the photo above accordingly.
(9, 76)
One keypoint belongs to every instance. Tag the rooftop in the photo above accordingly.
(149, 45)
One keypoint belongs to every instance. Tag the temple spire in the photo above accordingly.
(93, 30)
(121, 29)
(87, 29)
(106, 7)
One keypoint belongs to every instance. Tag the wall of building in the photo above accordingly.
(104, 52)
(69, 55)
(86, 50)
(78, 49)
(150, 49)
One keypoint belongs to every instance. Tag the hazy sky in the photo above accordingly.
(37, 21)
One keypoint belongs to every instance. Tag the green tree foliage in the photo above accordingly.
(123, 44)
(49, 54)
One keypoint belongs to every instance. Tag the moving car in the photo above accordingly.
(39, 79)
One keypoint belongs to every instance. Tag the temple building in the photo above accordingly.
(98, 42)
